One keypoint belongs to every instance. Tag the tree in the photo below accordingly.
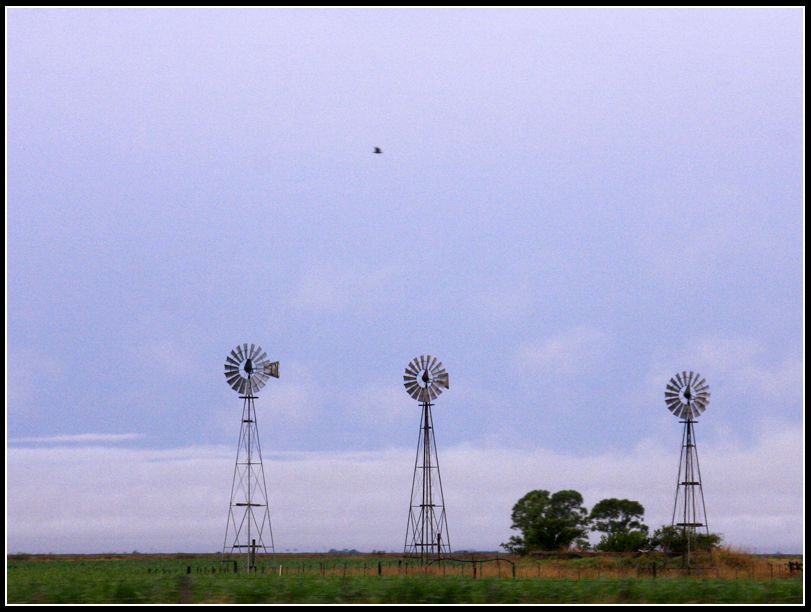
(671, 539)
(620, 521)
(547, 522)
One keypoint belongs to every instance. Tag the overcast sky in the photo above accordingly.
(571, 206)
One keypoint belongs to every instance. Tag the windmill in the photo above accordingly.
(248, 528)
(427, 528)
(687, 396)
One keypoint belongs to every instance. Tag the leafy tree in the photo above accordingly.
(671, 539)
(620, 521)
(547, 521)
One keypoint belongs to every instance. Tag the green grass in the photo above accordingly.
(166, 581)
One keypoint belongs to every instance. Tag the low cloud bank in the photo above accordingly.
(82, 499)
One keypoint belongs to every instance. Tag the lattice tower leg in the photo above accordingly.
(427, 527)
(248, 529)
(689, 509)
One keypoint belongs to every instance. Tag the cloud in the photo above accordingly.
(737, 364)
(742, 360)
(103, 498)
(564, 354)
(26, 368)
(79, 438)
(334, 288)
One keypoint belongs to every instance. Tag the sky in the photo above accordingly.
(571, 206)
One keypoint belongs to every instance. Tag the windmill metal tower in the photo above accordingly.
(427, 528)
(248, 529)
(687, 396)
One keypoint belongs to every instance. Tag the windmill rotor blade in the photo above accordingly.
(262, 358)
(240, 354)
(432, 392)
(409, 377)
(690, 378)
(411, 370)
(429, 364)
(678, 379)
(437, 367)
(442, 380)
(232, 360)
(415, 393)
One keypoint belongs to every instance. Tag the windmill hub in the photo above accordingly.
(248, 366)
(425, 377)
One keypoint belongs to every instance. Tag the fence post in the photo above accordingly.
(379, 568)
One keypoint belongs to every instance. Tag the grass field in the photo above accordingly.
(382, 579)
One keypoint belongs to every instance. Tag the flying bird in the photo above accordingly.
(377, 150)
